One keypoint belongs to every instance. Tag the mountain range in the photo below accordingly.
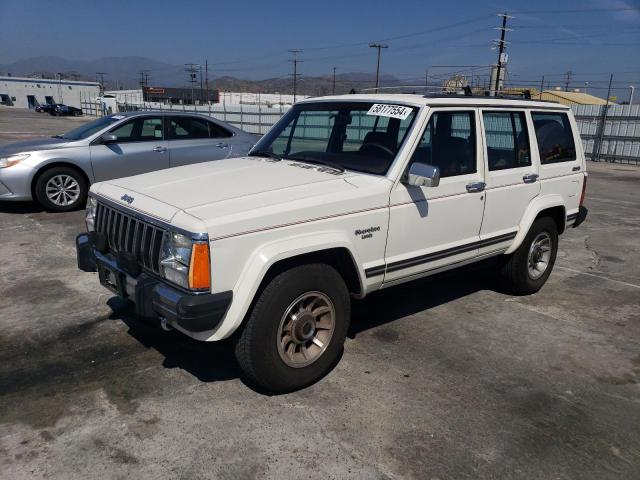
(124, 73)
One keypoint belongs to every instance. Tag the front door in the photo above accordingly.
(431, 227)
(512, 177)
(140, 147)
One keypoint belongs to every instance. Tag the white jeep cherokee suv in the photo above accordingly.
(345, 195)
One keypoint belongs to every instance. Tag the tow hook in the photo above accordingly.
(165, 325)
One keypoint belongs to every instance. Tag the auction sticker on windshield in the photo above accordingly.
(386, 110)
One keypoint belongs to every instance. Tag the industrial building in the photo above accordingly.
(24, 92)
(572, 98)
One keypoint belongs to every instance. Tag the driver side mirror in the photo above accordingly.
(108, 138)
(423, 175)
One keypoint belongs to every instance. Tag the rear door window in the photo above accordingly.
(554, 137)
(507, 140)
(188, 128)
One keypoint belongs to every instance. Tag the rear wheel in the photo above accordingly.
(296, 330)
(61, 189)
(527, 269)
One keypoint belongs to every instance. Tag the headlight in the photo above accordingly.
(185, 262)
(12, 160)
(90, 214)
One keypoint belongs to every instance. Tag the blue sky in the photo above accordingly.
(250, 39)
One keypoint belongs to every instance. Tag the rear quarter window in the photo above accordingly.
(554, 137)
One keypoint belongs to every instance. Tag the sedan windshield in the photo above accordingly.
(360, 136)
(90, 128)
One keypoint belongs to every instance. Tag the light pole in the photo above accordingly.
(378, 46)
(631, 97)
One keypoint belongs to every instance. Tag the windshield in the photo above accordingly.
(360, 136)
(90, 128)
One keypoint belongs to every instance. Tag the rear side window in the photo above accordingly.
(554, 136)
(449, 143)
(507, 140)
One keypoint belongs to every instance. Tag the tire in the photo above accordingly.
(259, 349)
(70, 181)
(515, 275)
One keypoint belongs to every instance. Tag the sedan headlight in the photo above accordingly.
(10, 160)
(90, 214)
(185, 262)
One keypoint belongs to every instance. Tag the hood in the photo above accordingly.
(33, 145)
(237, 193)
(193, 187)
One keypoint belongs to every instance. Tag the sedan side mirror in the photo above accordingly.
(423, 175)
(108, 138)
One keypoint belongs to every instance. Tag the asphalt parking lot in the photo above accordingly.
(445, 378)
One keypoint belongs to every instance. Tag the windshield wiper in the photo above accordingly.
(316, 162)
(58, 136)
(265, 153)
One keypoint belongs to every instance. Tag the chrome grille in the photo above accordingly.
(125, 233)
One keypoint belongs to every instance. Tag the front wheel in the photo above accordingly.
(527, 269)
(296, 330)
(61, 189)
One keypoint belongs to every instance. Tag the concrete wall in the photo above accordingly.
(15, 91)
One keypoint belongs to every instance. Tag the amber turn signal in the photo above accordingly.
(199, 270)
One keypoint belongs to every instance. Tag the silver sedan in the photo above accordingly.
(57, 171)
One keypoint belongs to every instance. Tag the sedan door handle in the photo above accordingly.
(160, 149)
(222, 145)
(530, 178)
(476, 187)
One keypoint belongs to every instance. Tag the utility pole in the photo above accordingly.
(501, 47)
(193, 78)
(598, 148)
(333, 90)
(567, 80)
(206, 78)
(378, 46)
(101, 81)
(426, 81)
(144, 78)
(541, 87)
(295, 74)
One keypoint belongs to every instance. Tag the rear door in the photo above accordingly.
(511, 175)
(560, 165)
(195, 139)
(140, 148)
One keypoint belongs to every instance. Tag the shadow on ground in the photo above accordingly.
(20, 207)
(214, 361)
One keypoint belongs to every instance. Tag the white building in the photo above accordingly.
(22, 92)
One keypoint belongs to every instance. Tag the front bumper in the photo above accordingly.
(153, 297)
(15, 182)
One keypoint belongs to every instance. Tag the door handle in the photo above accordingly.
(160, 149)
(476, 187)
(530, 178)
(222, 145)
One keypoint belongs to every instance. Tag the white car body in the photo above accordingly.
(257, 211)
